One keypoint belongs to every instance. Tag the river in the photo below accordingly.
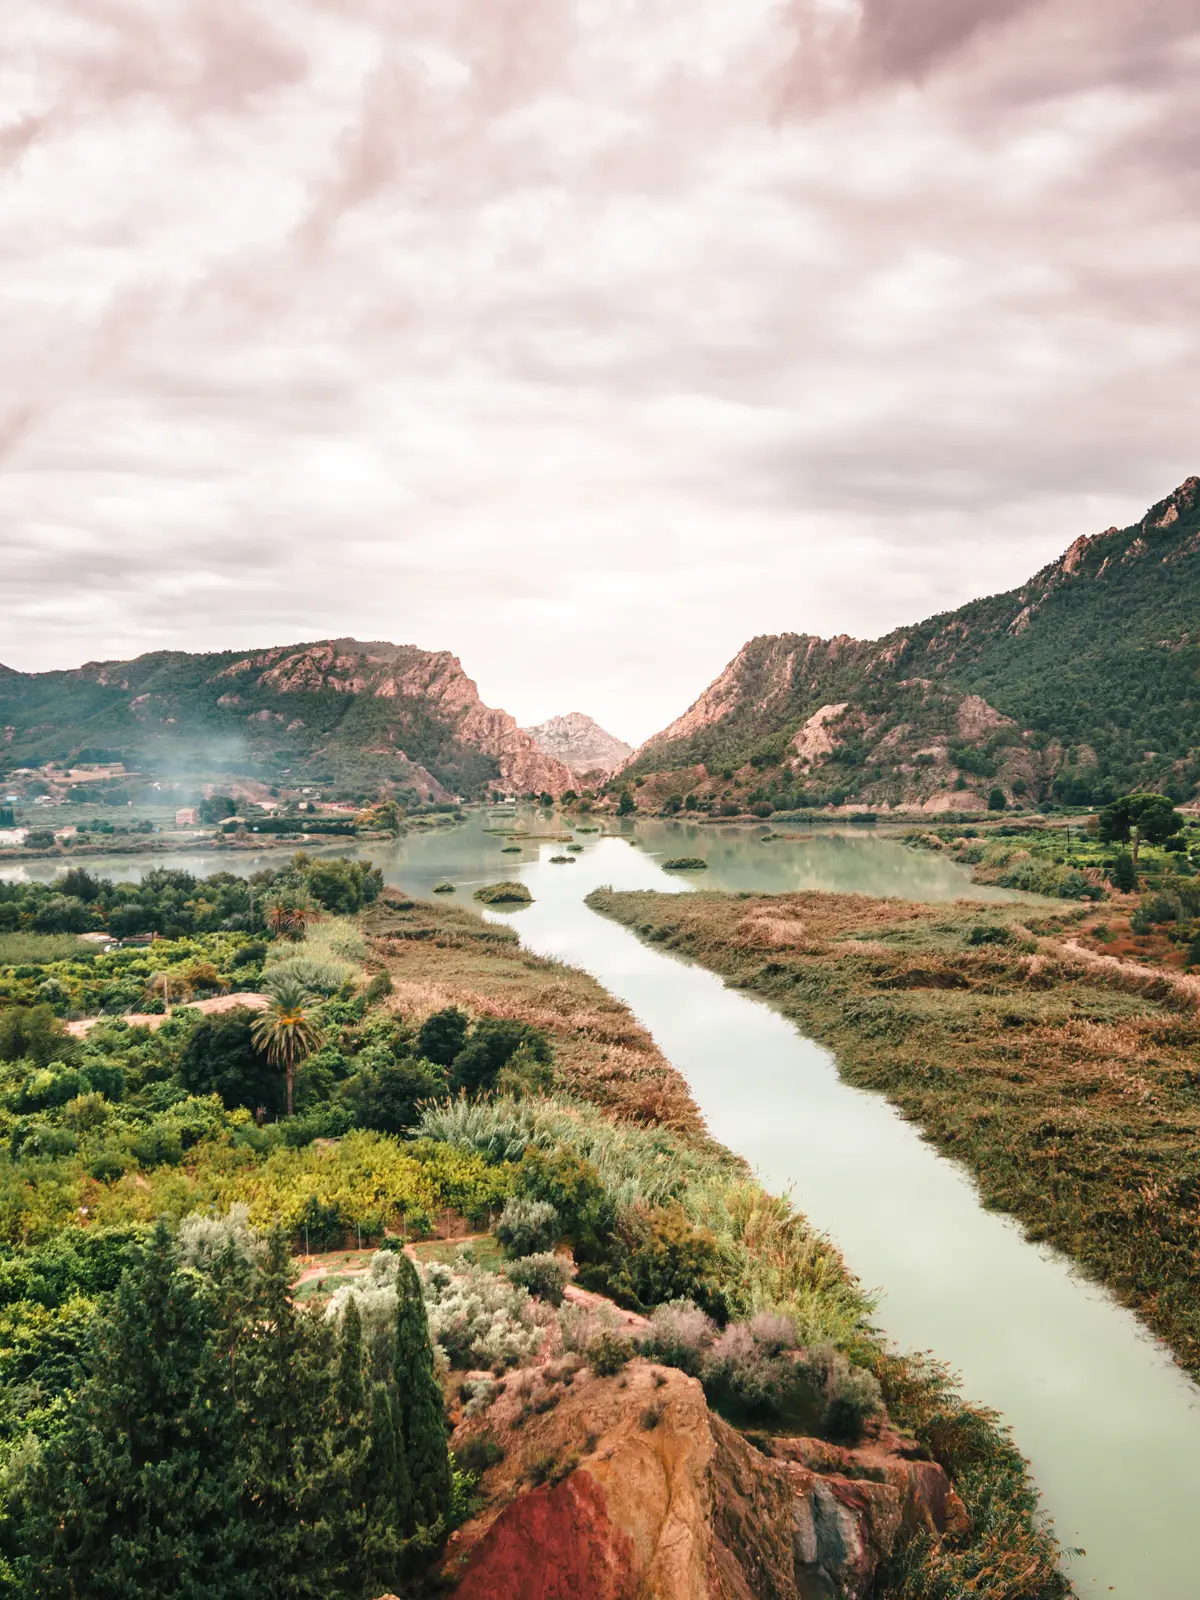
(1110, 1424)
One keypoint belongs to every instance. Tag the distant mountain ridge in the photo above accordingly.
(1084, 680)
(337, 710)
(580, 743)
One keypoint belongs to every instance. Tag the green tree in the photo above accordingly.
(1123, 875)
(442, 1035)
(1135, 818)
(286, 1399)
(139, 1492)
(220, 1058)
(422, 1413)
(387, 1097)
(288, 1031)
(997, 799)
(493, 1043)
(625, 804)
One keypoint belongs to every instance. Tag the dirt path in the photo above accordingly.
(147, 1019)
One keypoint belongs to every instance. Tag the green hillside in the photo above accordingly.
(1090, 673)
(337, 711)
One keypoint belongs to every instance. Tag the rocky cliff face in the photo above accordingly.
(1086, 676)
(581, 744)
(631, 1487)
(377, 711)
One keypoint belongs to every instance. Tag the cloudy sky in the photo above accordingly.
(583, 338)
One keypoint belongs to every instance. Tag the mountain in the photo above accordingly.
(338, 711)
(1082, 682)
(581, 744)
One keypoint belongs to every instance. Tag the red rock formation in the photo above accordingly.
(649, 1493)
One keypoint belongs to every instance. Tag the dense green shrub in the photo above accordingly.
(543, 1274)
(528, 1227)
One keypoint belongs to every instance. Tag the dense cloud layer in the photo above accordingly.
(583, 340)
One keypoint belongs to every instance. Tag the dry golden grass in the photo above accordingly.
(1069, 1081)
(440, 955)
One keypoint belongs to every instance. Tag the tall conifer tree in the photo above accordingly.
(422, 1412)
(139, 1495)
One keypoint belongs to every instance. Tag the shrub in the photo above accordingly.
(752, 1377)
(852, 1394)
(388, 1098)
(685, 864)
(544, 1275)
(220, 1058)
(1122, 874)
(527, 1227)
(493, 1043)
(658, 1255)
(679, 1334)
(506, 893)
(443, 888)
(317, 975)
(479, 1318)
(572, 1185)
(651, 1416)
(608, 1354)
(442, 1035)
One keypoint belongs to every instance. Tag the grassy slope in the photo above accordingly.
(1106, 657)
(1069, 1086)
(440, 954)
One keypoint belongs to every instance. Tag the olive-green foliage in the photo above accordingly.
(388, 1098)
(443, 1034)
(220, 1057)
(491, 1045)
(657, 1254)
(419, 1399)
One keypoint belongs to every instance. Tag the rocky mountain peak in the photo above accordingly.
(580, 743)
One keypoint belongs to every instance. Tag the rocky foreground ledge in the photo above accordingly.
(619, 1487)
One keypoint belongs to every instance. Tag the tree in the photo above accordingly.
(1135, 818)
(1123, 876)
(139, 1492)
(287, 1402)
(387, 1097)
(422, 1412)
(442, 1035)
(625, 804)
(997, 799)
(288, 911)
(493, 1043)
(288, 1031)
(220, 1058)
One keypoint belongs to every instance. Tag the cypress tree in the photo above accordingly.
(389, 1522)
(139, 1494)
(351, 1491)
(286, 1397)
(422, 1412)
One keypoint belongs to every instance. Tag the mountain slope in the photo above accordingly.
(338, 710)
(581, 744)
(1085, 679)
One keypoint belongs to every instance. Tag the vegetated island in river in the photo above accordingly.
(635, 1341)
(1063, 1076)
(504, 894)
(685, 864)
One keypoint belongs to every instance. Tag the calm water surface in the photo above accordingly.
(1111, 1426)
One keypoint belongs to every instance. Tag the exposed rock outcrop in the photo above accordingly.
(643, 1491)
(580, 744)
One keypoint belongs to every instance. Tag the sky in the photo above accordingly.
(582, 338)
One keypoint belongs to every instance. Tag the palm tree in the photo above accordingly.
(287, 1030)
(289, 911)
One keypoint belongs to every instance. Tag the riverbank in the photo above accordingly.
(438, 954)
(1067, 1086)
